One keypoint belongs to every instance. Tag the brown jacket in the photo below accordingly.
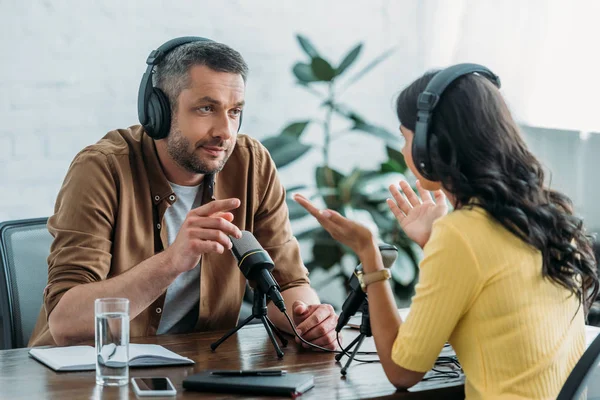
(108, 218)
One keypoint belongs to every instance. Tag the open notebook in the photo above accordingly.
(82, 358)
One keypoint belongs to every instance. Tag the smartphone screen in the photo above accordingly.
(153, 384)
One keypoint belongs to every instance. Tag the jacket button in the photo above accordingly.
(156, 198)
(157, 226)
(158, 310)
(172, 197)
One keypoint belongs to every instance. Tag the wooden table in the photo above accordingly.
(22, 377)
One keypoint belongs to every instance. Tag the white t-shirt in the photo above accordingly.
(180, 311)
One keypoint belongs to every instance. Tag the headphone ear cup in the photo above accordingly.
(420, 149)
(152, 107)
(159, 112)
(421, 145)
(159, 115)
(429, 172)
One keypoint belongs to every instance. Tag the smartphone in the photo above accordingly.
(157, 386)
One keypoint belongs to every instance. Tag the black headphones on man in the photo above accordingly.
(154, 110)
(426, 103)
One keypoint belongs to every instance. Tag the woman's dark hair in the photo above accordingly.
(477, 152)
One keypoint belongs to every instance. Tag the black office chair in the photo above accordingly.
(24, 249)
(578, 384)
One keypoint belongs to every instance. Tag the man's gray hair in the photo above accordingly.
(172, 73)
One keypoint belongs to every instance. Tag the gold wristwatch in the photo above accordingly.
(371, 277)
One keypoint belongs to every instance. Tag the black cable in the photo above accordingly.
(347, 354)
(453, 360)
(449, 360)
(316, 346)
(302, 339)
(445, 374)
(441, 376)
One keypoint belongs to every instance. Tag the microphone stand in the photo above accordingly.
(259, 311)
(365, 331)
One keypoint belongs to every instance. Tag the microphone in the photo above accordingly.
(256, 265)
(357, 295)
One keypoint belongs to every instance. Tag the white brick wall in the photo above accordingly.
(70, 72)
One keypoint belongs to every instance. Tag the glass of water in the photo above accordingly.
(112, 341)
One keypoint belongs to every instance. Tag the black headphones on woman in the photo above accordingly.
(426, 103)
(154, 110)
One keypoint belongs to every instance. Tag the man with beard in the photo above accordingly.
(146, 212)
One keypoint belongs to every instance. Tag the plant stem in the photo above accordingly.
(327, 124)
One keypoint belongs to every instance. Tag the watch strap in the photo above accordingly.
(372, 277)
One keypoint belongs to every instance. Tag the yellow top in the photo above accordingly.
(516, 334)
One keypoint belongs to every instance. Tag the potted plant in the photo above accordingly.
(364, 190)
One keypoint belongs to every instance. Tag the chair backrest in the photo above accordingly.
(24, 250)
(578, 383)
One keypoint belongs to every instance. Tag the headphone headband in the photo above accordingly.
(157, 55)
(426, 103)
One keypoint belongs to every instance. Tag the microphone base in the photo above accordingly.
(365, 331)
(259, 311)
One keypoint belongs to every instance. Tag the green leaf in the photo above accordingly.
(284, 149)
(356, 118)
(347, 185)
(328, 178)
(404, 292)
(396, 156)
(380, 218)
(304, 73)
(374, 188)
(359, 191)
(369, 174)
(322, 69)
(312, 265)
(369, 67)
(322, 192)
(349, 59)
(376, 131)
(295, 129)
(326, 253)
(403, 269)
(296, 210)
(307, 46)
(392, 166)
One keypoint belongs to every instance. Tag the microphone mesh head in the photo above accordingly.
(389, 255)
(244, 244)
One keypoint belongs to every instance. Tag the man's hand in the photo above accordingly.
(316, 324)
(205, 230)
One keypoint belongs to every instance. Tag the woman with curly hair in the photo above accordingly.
(507, 276)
